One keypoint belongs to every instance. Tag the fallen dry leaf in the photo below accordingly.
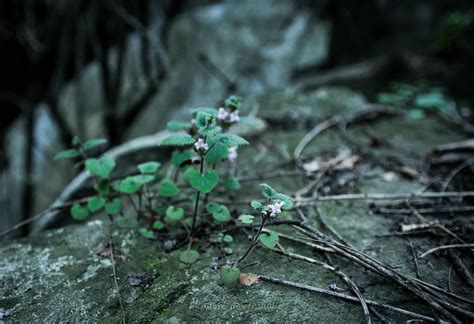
(248, 279)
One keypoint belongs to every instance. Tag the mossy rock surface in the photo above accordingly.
(58, 276)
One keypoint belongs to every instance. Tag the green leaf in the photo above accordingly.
(217, 153)
(146, 233)
(176, 126)
(211, 111)
(132, 184)
(233, 102)
(126, 222)
(228, 250)
(114, 206)
(416, 114)
(75, 142)
(246, 219)
(129, 185)
(158, 225)
(174, 214)
(93, 143)
(230, 140)
(188, 257)
(143, 178)
(204, 183)
(219, 212)
(207, 123)
(168, 188)
(231, 183)
(100, 167)
(78, 212)
(178, 140)
(269, 240)
(177, 157)
(267, 191)
(228, 239)
(204, 120)
(255, 204)
(68, 154)
(229, 274)
(95, 203)
(148, 167)
(288, 202)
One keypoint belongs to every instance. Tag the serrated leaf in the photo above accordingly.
(126, 222)
(269, 240)
(67, 154)
(219, 212)
(204, 183)
(93, 143)
(255, 204)
(143, 178)
(95, 203)
(188, 257)
(230, 140)
(231, 183)
(78, 212)
(204, 119)
(114, 206)
(175, 125)
(148, 167)
(168, 188)
(100, 167)
(288, 202)
(174, 214)
(210, 131)
(246, 219)
(178, 140)
(177, 157)
(146, 233)
(217, 153)
(229, 274)
(158, 225)
(267, 191)
(206, 110)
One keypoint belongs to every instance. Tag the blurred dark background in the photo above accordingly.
(121, 69)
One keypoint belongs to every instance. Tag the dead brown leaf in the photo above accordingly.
(248, 279)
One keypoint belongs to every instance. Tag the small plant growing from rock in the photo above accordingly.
(268, 211)
(159, 197)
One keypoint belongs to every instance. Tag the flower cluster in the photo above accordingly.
(275, 208)
(231, 117)
(201, 146)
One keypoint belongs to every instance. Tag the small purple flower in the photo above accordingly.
(201, 146)
(234, 117)
(222, 114)
(233, 154)
(275, 209)
(333, 287)
(193, 121)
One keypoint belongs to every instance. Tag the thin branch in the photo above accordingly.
(345, 297)
(445, 247)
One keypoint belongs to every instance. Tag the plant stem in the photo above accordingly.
(196, 205)
(253, 243)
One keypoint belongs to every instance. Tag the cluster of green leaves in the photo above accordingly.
(205, 138)
(417, 100)
(154, 195)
